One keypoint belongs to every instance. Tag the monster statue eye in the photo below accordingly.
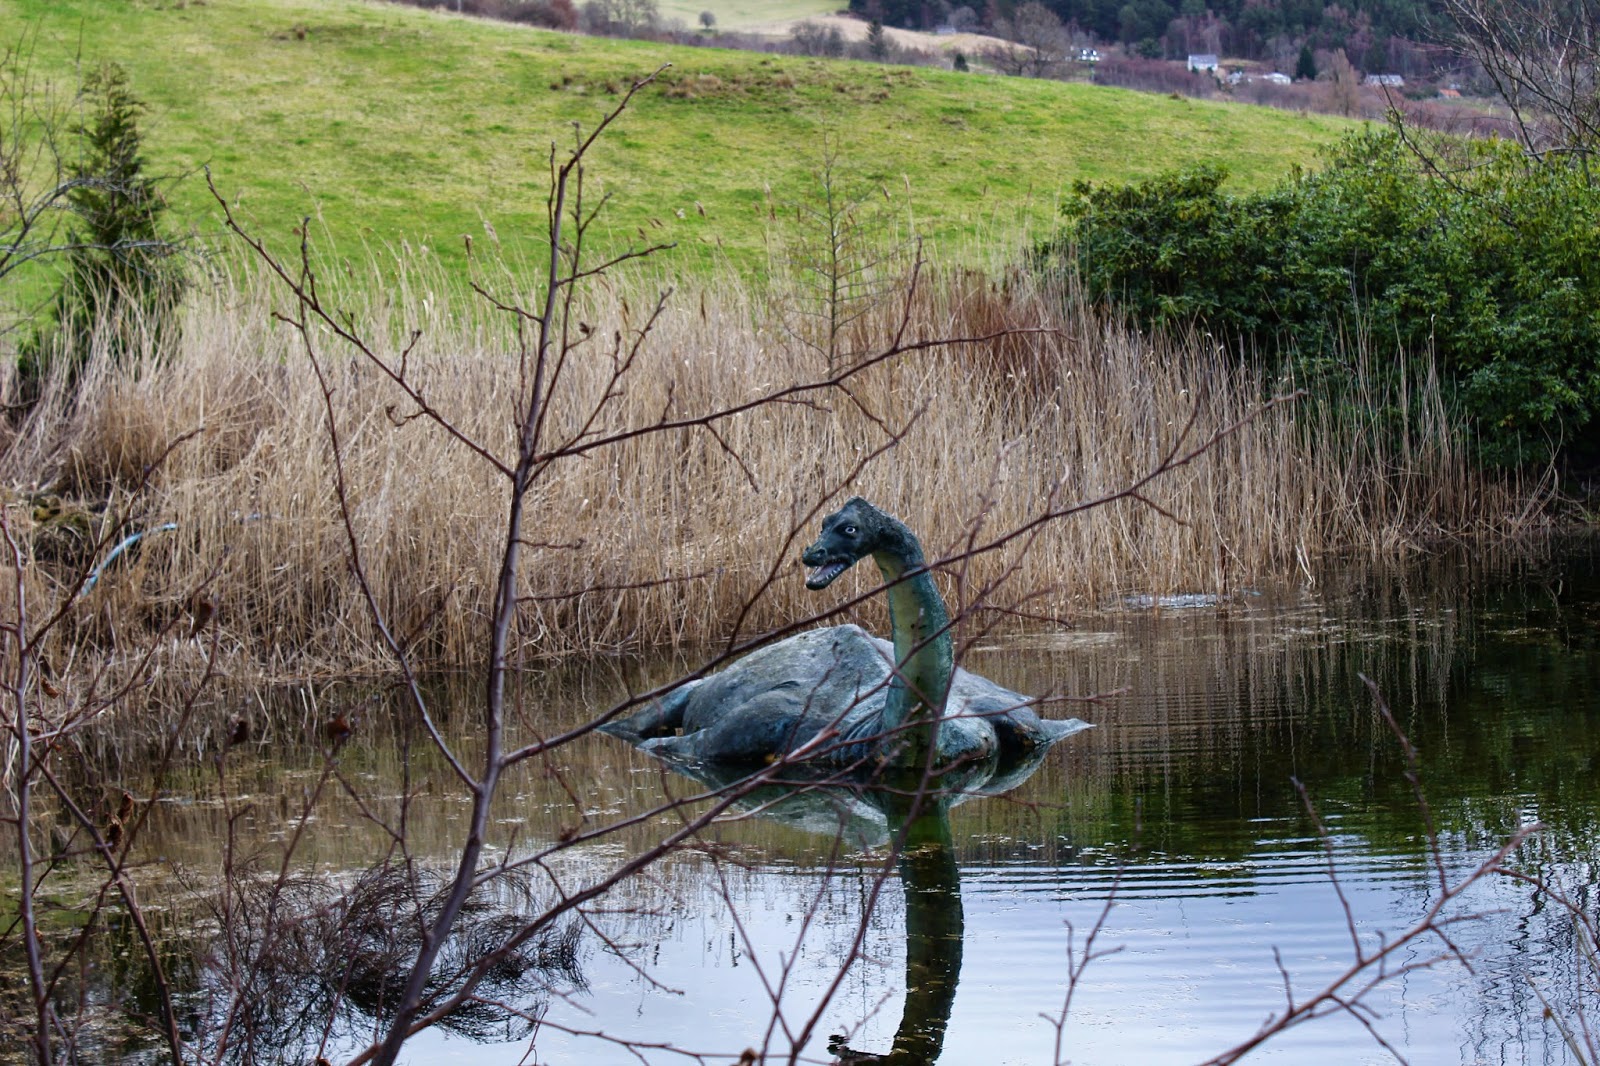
(849, 531)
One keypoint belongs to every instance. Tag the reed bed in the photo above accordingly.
(673, 538)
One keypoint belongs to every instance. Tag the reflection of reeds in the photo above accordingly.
(1196, 690)
(662, 539)
(301, 962)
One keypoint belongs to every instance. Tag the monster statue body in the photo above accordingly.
(841, 697)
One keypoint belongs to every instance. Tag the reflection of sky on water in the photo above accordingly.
(1194, 974)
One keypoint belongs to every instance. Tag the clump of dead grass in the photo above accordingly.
(664, 539)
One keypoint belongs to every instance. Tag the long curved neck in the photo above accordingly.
(923, 652)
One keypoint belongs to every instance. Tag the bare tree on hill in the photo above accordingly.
(1040, 45)
(1543, 57)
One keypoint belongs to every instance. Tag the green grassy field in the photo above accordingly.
(742, 14)
(390, 124)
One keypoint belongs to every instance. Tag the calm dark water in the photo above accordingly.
(1176, 824)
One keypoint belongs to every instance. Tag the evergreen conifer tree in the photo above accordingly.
(118, 263)
(877, 42)
(1306, 68)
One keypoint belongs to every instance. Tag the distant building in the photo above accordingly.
(1388, 81)
(1450, 94)
(1199, 61)
(1245, 77)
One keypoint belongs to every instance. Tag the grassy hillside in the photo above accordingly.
(390, 123)
(743, 14)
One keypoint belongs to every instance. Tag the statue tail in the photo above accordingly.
(662, 718)
(1055, 729)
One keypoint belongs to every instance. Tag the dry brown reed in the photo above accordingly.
(662, 540)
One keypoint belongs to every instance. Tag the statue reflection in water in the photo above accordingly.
(934, 928)
(912, 813)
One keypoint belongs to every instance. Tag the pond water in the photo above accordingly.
(1176, 825)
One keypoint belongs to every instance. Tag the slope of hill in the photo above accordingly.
(745, 14)
(389, 123)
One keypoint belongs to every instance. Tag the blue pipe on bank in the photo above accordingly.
(127, 542)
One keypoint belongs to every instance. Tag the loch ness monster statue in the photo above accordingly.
(839, 696)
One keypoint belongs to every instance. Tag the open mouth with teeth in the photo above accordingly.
(822, 576)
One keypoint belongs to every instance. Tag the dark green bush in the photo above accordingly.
(1494, 271)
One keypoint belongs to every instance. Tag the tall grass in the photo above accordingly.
(663, 539)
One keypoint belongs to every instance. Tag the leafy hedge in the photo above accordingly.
(1494, 269)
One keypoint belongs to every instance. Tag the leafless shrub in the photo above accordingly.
(35, 156)
(1466, 118)
(551, 14)
(1543, 58)
(302, 963)
(817, 39)
(1344, 83)
(1447, 116)
(45, 715)
(620, 18)
(1153, 75)
(838, 252)
(1040, 45)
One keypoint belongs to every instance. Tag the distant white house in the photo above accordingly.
(1245, 77)
(1390, 81)
(1199, 61)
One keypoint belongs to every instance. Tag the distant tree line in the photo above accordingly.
(1293, 36)
(1378, 35)
(550, 14)
(605, 18)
